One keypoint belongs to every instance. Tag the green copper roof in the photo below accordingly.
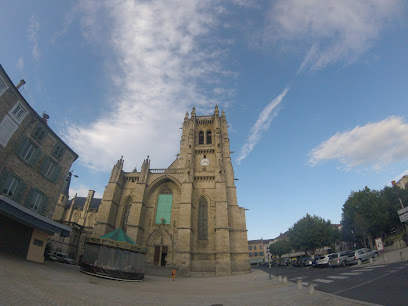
(118, 235)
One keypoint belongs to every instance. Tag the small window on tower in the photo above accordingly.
(201, 137)
(208, 137)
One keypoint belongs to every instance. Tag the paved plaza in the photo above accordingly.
(23, 282)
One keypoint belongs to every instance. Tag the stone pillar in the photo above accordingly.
(184, 231)
(222, 234)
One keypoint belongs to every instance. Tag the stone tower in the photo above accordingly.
(187, 214)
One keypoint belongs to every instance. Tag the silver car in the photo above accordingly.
(360, 255)
(338, 259)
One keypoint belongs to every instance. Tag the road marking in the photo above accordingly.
(365, 283)
(363, 270)
(326, 281)
(377, 266)
(351, 273)
(337, 277)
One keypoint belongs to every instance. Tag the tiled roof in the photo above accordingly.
(80, 202)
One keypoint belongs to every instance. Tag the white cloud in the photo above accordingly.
(373, 145)
(335, 31)
(262, 124)
(20, 64)
(160, 68)
(33, 36)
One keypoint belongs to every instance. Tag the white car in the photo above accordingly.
(323, 261)
(61, 257)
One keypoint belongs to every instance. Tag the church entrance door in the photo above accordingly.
(164, 256)
(156, 257)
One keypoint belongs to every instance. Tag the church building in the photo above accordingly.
(187, 214)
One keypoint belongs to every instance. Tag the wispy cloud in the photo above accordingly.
(373, 145)
(20, 64)
(33, 36)
(333, 31)
(262, 124)
(163, 61)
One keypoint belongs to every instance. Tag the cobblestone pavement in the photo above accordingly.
(23, 282)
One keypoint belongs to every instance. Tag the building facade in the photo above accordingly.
(33, 164)
(258, 251)
(187, 214)
(79, 214)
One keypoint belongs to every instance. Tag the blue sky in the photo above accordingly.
(315, 91)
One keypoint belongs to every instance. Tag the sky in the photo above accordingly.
(315, 91)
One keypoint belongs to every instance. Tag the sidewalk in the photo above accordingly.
(392, 256)
(23, 282)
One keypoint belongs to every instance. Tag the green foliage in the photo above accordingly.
(280, 247)
(310, 233)
(370, 213)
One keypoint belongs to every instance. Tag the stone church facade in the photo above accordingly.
(187, 214)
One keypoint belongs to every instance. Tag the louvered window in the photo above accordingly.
(28, 152)
(50, 169)
(209, 137)
(58, 151)
(18, 112)
(37, 201)
(11, 186)
(201, 137)
(202, 219)
(3, 86)
(39, 133)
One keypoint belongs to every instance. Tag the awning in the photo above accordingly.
(30, 218)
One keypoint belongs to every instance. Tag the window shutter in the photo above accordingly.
(34, 158)
(43, 206)
(19, 191)
(44, 165)
(20, 149)
(56, 173)
(3, 179)
(29, 198)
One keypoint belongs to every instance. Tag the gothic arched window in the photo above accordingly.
(163, 214)
(201, 137)
(125, 216)
(208, 137)
(202, 219)
(76, 217)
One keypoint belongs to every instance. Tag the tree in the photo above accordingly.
(280, 247)
(310, 233)
(365, 215)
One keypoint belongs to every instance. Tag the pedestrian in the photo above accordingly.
(173, 274)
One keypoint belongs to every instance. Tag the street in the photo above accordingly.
(384, 284)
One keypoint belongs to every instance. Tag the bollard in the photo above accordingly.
(280, 278)
(311, 288)
(370, 261)
(299, 284)
(285, 279)
(385, 258)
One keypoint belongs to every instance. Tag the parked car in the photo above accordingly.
(63, 258)
(338, 259)
(323, 261)
(361, 255)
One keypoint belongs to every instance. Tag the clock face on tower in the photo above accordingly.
(205, 162)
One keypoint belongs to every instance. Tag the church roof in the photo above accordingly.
(118, 235)
(80, 202)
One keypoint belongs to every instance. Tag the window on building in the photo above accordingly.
(254, 247)
(126, 211)
(250, 247)
(201, 137)
(261, 253)
(3, 86)
(58, 151)
(39, 133)
(50, 169)
(250, 254)
(164, 203)
(28, 152)
(208, 137)
(255, 253)
(260, 246)
(11, 186)
(7, 129)
(18, 112)
(37, 201)
(202, 219)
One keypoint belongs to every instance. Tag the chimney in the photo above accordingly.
(22, 82)
(45, 117)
